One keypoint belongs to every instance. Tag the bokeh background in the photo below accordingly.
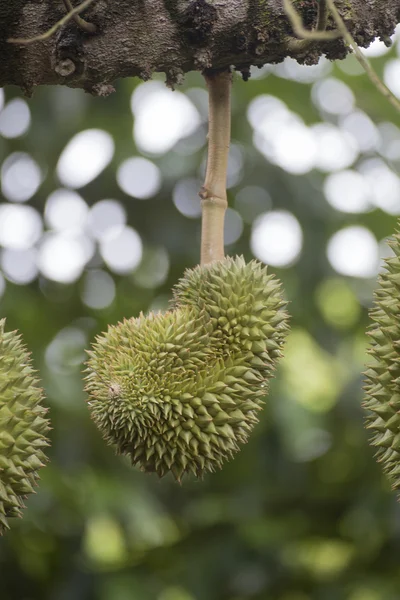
(99, 217)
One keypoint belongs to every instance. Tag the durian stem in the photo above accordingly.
(213, 193)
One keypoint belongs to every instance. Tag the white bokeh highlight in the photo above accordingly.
(389, 145)
(65, 210)
(354, 251)
(20, 177)
(20, 226)
(139, 177)
(277, 238)
(121, 249)
(291, 69)
(333, 96)
(19, 266)
(391, 76)
(281, 136)
(348, 191)
(336, 149)
(162, 117)
(362, 129)
(104, 216)
(84, 157)
(383, 183)
(63, 256)
(15, 119)
(375, 49)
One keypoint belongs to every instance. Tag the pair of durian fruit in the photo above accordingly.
(181, 391)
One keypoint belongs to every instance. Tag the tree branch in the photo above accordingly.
(173, 37)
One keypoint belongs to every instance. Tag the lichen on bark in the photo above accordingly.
(140, 37)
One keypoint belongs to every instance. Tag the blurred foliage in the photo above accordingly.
(303, 511)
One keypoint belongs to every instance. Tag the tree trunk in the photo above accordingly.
(140, 37)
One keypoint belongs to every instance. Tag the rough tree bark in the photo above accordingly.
(140, 37)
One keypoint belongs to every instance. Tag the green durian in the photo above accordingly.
(180, 391)
(23, 426)
(383, 373)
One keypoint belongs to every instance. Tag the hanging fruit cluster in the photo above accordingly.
(180, 391)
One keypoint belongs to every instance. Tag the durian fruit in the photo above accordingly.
(23, 426)
(383, 373)
(180, 391)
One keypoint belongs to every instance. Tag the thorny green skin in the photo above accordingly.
(180, 391)
(23, 427)
(382, 377)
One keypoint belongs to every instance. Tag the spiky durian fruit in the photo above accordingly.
(180, 391)
(383, 374)
(23, 426)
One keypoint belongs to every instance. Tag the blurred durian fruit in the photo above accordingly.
(181, 391)
(383, 373)
(23, 426)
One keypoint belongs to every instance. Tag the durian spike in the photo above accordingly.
(23, 426)
(213, 193)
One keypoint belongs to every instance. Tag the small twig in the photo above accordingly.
(89, 27)
(315, 34)
(364, 62)
(213, 193)
(322, 16)
(45, 36)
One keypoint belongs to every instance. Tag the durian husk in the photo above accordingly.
(23, 426)
(181, 391)
(382, 387)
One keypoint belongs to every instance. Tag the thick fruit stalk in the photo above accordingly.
(23, 426)
(213, 193)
